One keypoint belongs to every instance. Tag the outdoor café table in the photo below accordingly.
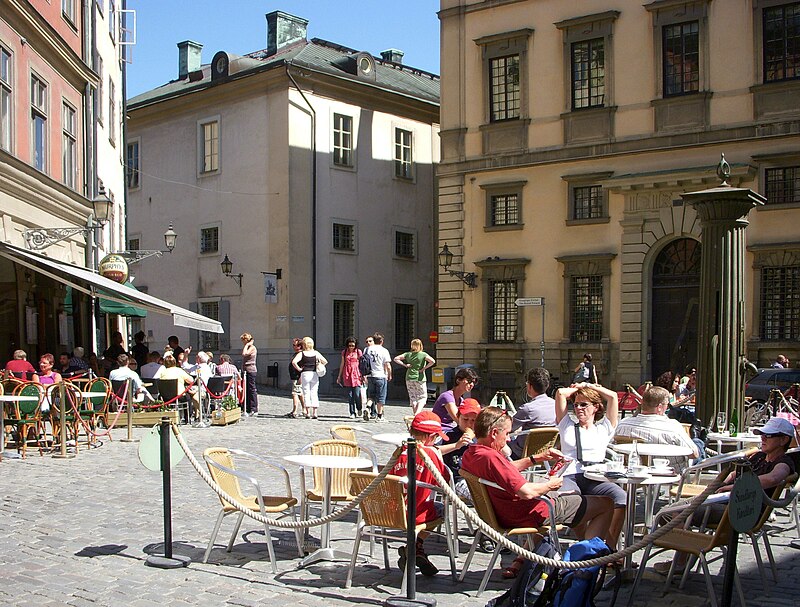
(328, 463)
(9, 398)
(653, 449)
(391, 438)
(596, 473)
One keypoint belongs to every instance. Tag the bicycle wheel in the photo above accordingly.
(757, 414)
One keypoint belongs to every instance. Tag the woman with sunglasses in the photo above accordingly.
(446, 406)
(348, 371)
(585, 438)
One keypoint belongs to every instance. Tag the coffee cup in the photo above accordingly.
(660, 463)
(638, 471)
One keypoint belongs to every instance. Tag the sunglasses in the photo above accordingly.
(772, 435)
(582, 405)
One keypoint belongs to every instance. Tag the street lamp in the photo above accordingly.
(41, 238)
(135, 256)
(227, 269)
(446, 260)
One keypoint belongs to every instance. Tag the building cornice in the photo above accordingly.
(473, 8)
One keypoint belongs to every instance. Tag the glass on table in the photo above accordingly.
(722, 422)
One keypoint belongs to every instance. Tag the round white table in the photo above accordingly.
(9, 398)
(654, 449)
(328, 463)
(391, 438)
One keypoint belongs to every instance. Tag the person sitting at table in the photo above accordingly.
(514, 502)
(124, 372)
(653, 426)
(153, 366)
(458, 439)
(770, 464)
(585, 439)
(20, 368)
(47, 374)
(226, 367)
(76, 361)
(171, 370)
(425, 428)
(537, 412)
(201, 371)
(63, 363)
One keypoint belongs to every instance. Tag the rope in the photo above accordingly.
(215, 396)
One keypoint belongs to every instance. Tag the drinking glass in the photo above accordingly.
(722, 422)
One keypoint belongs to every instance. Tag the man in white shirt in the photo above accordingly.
(123, 372)
(380, 362)
(153, 367)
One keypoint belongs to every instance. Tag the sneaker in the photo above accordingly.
(366, 416)
(352, 416)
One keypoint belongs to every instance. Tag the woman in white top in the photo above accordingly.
(306, 362)
(596, 414)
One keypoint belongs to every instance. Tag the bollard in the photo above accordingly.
(129, 413)
(167, 560)
(62, 407)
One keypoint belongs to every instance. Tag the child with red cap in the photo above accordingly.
(459, 438)
(426, 428)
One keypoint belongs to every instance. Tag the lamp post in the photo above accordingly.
(446, 260)
(227, 269)
(135, 256)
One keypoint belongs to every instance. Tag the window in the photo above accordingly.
(503, 205)
(782, 42)
(404, 244)
(69, 158)
(587, 202)
(586, 308)
(112, 19)
(588, 74)
(782, 185)
(6, 89)
(342, 140)
(780, 303)
(504, 209)
(100, 89)
(112, 113)
(404, 325)
(134, 244)
(209, 146)
(344, 237)
(209, 240)
(502, 310)
(504, 88)
(402, 153)
(681, 57)
(68, 9)
(344, 321)
(209, 341)
(132, 165)
(39, 123)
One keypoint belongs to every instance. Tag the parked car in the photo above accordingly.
(759, 387)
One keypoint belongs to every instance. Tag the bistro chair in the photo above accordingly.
(485, 509)
(28, 416)
(95, 408)
(340, 478)
(691, 483)
(218, 387)
(72, 417)
(384, 510)
(222, 467)
(168, 389)
(349, 433)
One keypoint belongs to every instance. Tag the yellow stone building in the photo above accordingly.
(569, 132)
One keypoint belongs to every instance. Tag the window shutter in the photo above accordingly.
(194, 335)
(225, 319)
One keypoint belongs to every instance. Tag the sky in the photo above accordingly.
(239, 27)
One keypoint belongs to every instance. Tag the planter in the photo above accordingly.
(149, 418)
(223, 417)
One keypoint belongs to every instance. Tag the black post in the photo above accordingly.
(411, 523)
(730, 559)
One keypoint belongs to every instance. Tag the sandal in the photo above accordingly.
(509, 573)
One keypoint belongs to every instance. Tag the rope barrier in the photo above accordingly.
(215, 396)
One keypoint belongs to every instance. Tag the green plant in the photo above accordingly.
(229, 402)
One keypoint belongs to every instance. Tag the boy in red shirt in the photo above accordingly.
(425, 428)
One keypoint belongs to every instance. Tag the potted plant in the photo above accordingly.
(227, 411)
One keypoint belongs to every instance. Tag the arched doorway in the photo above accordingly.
(676, 301)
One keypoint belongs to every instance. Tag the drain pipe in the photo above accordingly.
(313, 201)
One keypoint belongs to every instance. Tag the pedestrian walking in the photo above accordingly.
(350, 377)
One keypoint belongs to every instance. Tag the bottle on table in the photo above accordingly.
(634, 461)
(734, 427)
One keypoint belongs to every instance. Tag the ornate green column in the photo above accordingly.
(721, 346)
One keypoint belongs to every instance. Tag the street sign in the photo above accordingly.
(529, 301)
(433, 337)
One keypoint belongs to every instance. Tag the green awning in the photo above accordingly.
(109, 306)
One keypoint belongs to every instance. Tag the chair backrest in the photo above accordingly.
(167, 388)
(623, 440)
(385, 506)
(343, 432)
(28, 408)
(481, 501)
(340, 478)
(100, 402)
(218, 384)
(408, 419)
(220, 456)
(776, 494)
(539, 440)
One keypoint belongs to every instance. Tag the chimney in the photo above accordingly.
(283, 29)
(392, 54)
(189, 58)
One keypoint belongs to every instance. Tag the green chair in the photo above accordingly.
(28, 416)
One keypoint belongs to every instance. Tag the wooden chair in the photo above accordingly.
(72, 420)
(384, 510)
(94, 409)
(27, 415)
(221, 466)
(485, 509)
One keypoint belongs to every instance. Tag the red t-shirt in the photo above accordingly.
(511, 510)
(426, 511)
(19, 366)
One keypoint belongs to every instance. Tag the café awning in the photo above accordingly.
(109, 306)
(88, 282)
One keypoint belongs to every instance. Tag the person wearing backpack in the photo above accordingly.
(416, 362)
(350, 375)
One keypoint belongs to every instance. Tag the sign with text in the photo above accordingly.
(744, 508)
(529, 301)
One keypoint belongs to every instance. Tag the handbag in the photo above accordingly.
(321, 369)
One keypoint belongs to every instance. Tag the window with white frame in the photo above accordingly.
(69, 142)
(403, 153)
(39, 140)
(405, 319)
(132, 164)
(6, 91)
(112, 113)
(342, 140)
(68, 10)
(209, 240)
(100, 87)
(209, 341)
(112, 20)
(344, 237)
(344, 321)
(209, 146)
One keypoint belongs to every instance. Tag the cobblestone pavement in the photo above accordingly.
(78, 531)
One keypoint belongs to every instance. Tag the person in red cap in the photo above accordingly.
(459, 438)
(426, 428)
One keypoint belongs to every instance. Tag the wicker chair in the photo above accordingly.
(690, 487)
(539, 440)
(384, 510)
(95, 408)
(485, 510)
(221, 466)
(28, 415)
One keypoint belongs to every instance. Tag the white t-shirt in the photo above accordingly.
(594, 441)
(378, 357)
(150, 370)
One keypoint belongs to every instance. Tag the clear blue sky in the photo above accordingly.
(239, 27)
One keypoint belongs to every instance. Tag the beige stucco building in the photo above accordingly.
(569, 132)
(307, 158)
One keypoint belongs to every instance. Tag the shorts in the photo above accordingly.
(377, 389)
(569, 509)
(297, 389)
(580, 484)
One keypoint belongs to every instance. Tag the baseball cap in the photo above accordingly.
(469, 405)
(429, 423)
(776, 425)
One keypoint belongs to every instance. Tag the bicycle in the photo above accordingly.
(757, 413)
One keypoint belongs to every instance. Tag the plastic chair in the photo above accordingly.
(217, 388)
(221, 466)
(340, 478)
(384, 510)
(27, 415)
(485, 509)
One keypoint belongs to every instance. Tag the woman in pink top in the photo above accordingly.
(350, 377)
(47, 375)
